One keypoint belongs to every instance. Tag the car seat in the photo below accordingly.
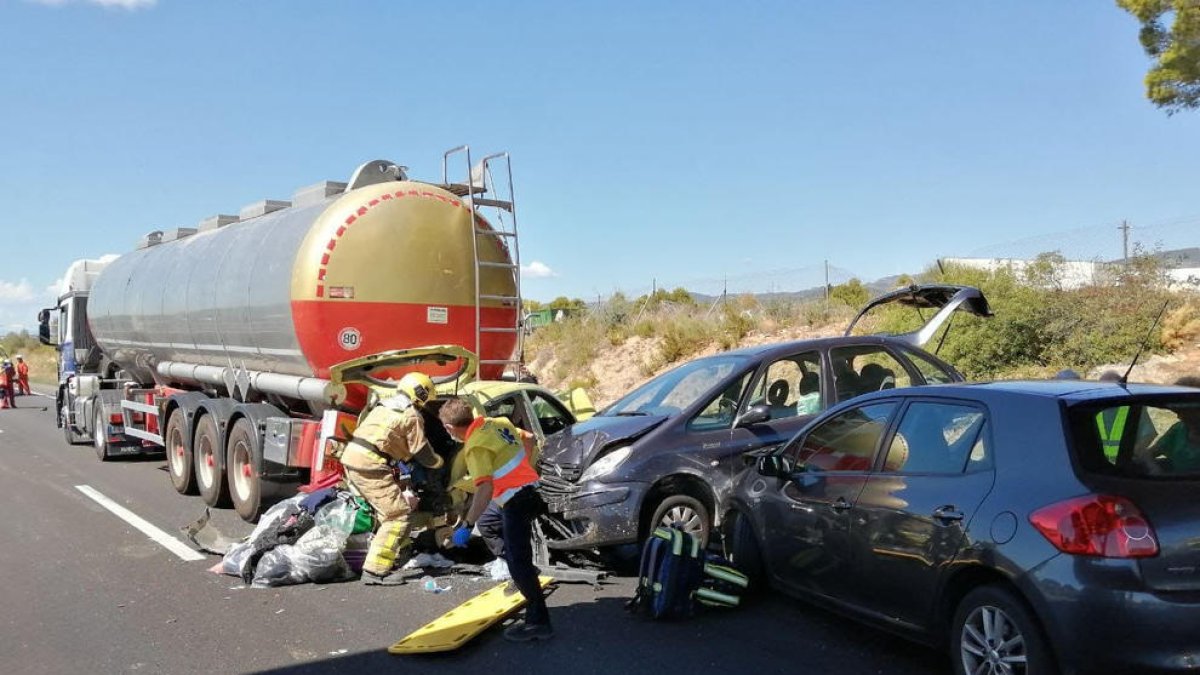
(846, 380)
(777, 396)
(875, 377)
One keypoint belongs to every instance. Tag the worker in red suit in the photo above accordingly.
(8, 378)
(22, 377)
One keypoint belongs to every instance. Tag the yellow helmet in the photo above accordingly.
(418, 387)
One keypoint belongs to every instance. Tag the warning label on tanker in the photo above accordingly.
(437, 315)
(350, 339)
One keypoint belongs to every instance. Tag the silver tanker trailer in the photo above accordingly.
(215, 343)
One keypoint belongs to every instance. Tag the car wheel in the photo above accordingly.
(685, 511)
(179, 454)
(245, 486)
(994, 633)
(745, 553)
(100, 434)
(214, 489)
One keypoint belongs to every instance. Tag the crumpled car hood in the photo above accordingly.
(581, 443)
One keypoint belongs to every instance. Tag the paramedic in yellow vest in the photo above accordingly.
(498, 460)
(393, 431)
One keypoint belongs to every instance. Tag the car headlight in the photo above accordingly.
(605, 464)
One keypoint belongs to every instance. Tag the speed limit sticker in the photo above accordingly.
(350, 339)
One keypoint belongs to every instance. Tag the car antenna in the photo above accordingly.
(1125, 378)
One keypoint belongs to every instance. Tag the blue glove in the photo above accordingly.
(462, 535)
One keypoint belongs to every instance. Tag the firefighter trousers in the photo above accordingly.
(382, 491)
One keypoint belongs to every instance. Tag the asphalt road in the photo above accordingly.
(82, 590)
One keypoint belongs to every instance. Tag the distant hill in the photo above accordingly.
(1175, 258)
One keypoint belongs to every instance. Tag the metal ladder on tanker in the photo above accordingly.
(480, 180)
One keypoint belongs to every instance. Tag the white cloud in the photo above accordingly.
(118, 4)
(537, 270)
(21, 291)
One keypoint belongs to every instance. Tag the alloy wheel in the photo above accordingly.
(688, 519)
(991, 644)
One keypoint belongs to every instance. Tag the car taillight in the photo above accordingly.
(115, 418)
(1097, 525)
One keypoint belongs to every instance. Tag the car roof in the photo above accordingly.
(810, 343)
(1070, 391)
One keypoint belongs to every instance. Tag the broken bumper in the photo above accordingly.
(592, 515)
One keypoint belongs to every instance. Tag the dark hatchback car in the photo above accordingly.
(668, 451)
(1034, 527)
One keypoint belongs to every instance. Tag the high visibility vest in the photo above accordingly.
(1110, 434)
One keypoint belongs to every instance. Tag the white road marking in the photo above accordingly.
(165, 540)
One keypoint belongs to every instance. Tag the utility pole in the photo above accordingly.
(1124, 228)
(826, 278)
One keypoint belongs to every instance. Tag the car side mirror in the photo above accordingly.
(756, 414)
(776, 466)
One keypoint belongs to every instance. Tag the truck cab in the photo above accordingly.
(85, 411)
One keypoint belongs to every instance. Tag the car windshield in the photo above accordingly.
(1158, 438)
(677, 389)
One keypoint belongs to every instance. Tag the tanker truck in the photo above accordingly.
(216, 343)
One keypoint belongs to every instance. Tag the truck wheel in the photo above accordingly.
(68, 433)
(100, 434)
(179, 454)
(214, 489)
(245, 486)
(685, 510)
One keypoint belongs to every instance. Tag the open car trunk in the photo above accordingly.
(945, 298)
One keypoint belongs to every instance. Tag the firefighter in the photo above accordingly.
(22, 376)
(498, 459)
(376, 460)
(8, 376)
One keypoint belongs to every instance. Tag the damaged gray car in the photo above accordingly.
(667, 452)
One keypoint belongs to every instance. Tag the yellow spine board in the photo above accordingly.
(458, 626)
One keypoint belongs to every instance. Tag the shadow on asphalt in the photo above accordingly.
(771, 635)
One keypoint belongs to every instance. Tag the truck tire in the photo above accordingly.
(206, 450)
(69, 434)
(180, 464)
(100, 434)
(243, 467)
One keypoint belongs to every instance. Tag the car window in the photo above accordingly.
(721, 411)
(551, 417)
(1158, 439)
(863, 369)
(790, 386)
(930, 370)
(846, 442)
(508, 407)
(936, 438)
(677, 389)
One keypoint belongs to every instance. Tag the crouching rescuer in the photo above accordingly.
(376, 462)
(498, 459)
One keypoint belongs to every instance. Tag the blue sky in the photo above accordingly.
(681, 142)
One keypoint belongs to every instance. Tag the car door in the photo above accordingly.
(548, 413)
(514, 408)
(806, 516)
(911, 516)
(790, 389)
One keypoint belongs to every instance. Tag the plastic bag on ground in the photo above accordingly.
(316, 557)
(497, 570)
(237, 558)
